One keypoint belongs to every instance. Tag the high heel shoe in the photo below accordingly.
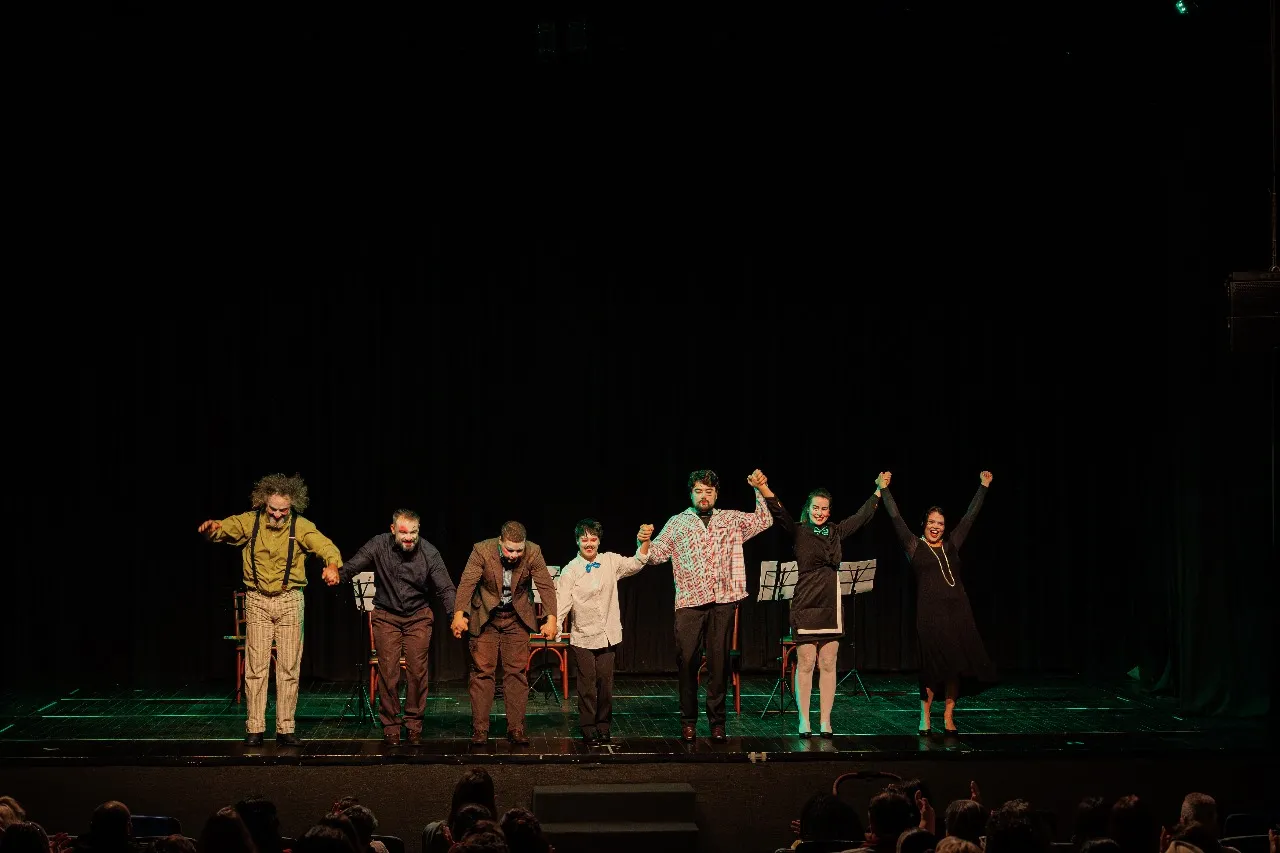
(805, 732)
(924, 732)
(825, 731)
(949, 732)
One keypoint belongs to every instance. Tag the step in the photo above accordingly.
(622, 836)
(661, 802)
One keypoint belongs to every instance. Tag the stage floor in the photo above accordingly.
(1026, 716)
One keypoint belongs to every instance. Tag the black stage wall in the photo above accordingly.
(502, 305)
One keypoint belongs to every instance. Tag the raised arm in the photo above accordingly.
(908, 539)
(628, 566)
(661, 548)
(961, 530)
(751, 523)
(231, 530)
(851, 524)
(781, 517)
(322, 546)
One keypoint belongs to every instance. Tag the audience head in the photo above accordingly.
(965, 819)
(483, 837)
(916, 840)
(474, 786)
(345, 824)
(1100, 845)
(956, 844)
(365, 822)
(111, 823)
(826, 817)
(24, 837)
(260, 816)
(889, 815)
(11, 811)
(468, 815)
(523, 832)
(1200, 808)
(226, 832)
(173, 844)
(1016, 828)
(326, 838)
(1132, 826)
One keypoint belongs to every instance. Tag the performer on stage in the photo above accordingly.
(274, 541)
(953, 660)
(588, 588)
(495, 606)
(817, 614)
(408, 572)
(704, 545)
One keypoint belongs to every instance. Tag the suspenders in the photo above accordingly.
(253, 541)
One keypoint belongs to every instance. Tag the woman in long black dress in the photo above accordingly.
(953, 661)
(817, 614)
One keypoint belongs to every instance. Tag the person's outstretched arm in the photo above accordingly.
(781, 517)
(908, 539)
(958, 535)
(851, 524)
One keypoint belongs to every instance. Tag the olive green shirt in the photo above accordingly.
(272, 548)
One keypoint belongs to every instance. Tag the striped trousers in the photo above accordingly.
(271, 619)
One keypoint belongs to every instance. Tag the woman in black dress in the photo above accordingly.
(817, 614)
(953, 660)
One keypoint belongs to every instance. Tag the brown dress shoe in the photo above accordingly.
(718, 735)
(517, 737)
(688, 734)
(479, 738)
(415, 738)
(391, 738)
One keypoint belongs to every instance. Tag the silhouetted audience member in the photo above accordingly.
(263, 820)
(956, 844)
(326, 838)
(1100, 845)
(366, 824)
(889, 815)
(916, 840)
(173, 844)
(1016, 828)
(225, 832)
(523, 832)
(1202, 809)
(110, 830)
(1133, 827)
(825, 819)
(24, 837)
(1093, 820)
(11, 812)
(484, 836)
(474, 786)
(965, 819)
(1197, 835)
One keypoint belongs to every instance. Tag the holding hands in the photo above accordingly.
(458, 626)
(882, 480)
(645, 534)
(985, 478)
(330, 575)
(757, 480)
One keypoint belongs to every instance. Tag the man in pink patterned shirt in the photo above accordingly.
(704, 545)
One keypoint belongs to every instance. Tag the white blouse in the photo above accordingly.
(592, 598)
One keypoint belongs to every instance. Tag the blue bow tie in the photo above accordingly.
(591, 566)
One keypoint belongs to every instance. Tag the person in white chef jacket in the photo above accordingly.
(588, 588)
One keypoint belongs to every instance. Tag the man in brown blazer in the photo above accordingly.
(496, 608)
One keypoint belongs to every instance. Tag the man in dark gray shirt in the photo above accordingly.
(408, 571)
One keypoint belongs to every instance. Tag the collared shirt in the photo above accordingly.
(272, 549)
(404, 581)
(506, 584)
(706, 559)
(592, 598)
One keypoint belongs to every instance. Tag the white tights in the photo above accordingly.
(806, 654)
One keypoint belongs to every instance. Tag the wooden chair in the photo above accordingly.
(238, 638)
(735, 665)
(789, 658)
(559, 647)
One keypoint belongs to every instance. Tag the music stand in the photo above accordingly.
(543, 682)
(364, 588)
(855, 579)
(777, 583)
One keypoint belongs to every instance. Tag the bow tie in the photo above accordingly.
(591, 566)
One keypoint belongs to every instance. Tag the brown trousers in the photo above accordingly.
(411, 636)
(505, 636)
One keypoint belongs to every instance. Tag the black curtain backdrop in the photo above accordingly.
(555, 297)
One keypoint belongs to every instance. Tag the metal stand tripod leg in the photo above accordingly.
(853, 670)
(359, 692)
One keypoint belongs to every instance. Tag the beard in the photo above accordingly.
(272, 524)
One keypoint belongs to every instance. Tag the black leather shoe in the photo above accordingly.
(718, 735)
(950, 732)
(604, 737)
(688, 734)
(805, 734)
(253, 739)
(287, 739)
(924, 732)
(827, 733)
